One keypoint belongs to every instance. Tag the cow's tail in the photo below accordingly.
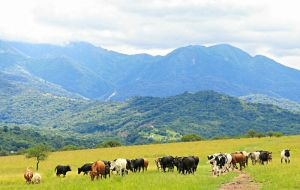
(55, 168)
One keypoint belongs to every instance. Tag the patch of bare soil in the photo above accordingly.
(242, 182)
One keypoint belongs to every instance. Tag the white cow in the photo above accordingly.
(254, 156)
(228, 163)
(119, 165)
(36, 179)
(285, 155)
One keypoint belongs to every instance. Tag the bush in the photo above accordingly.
(274, 134)
(4, 153)
(111, 143)
(191, 137)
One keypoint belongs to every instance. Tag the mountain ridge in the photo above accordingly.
(97, 73)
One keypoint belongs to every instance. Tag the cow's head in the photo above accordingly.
(93, 174)
(157, 162)
(79, 170)
(113, 165)
(68, 168)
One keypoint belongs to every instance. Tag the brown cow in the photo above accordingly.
(28, 175)
(240, 158)
(98, 168)
(146, 163)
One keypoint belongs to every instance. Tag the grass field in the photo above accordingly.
(272, 176)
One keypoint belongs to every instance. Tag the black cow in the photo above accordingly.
(137, 164)
(196, 158)
(128, 165)
(62, 170)
(167, 162)
(264, 156)
(107, 168)
(186, 165)
(85, 168)
(176, 162)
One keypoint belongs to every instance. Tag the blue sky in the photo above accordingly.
(271, 28)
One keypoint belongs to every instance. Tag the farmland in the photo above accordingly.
(271, 176)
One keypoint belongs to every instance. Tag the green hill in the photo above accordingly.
(144, 119)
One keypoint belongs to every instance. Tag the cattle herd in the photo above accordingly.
(220, 163)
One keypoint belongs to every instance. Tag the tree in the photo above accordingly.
(111, 143)
(40, 152)
(252, 133)
(191, 137)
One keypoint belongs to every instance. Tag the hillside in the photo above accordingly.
(146, 119)
(97, 73)
(280, 102)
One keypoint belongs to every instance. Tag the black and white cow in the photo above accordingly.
(219, 163)
(285, 155)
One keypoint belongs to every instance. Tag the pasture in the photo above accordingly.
(272, 176)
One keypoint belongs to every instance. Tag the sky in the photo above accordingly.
(267, 27)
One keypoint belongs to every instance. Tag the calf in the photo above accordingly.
(285, 155)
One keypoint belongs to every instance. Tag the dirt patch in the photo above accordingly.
(242, 182)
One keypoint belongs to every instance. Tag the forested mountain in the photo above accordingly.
(96, 73)
(144, 119)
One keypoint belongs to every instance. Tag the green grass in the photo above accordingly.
(272, 176)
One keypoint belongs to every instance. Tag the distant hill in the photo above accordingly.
(145, 119)
(280, 102)
(97, 73)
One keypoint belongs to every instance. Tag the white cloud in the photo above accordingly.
(259, 27)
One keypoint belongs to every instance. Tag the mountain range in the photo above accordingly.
(81, 70)
(81, 95)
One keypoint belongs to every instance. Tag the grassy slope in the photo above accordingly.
(273, 176)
